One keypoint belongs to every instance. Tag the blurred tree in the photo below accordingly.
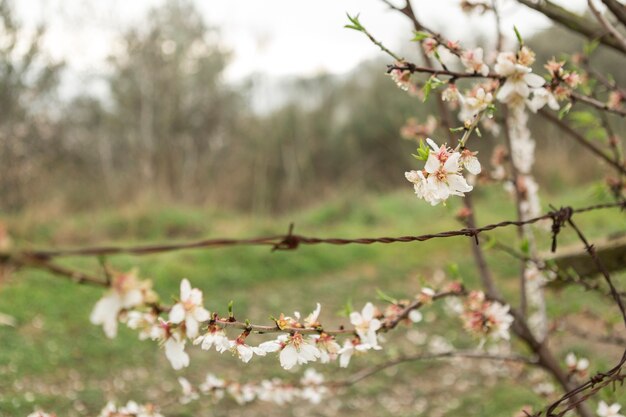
(28, 134)
(169, 110)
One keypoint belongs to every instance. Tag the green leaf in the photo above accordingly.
(584, 119)
(432, 83)
(422, 152)
(385, 297)
(525, 246)
(453, 271)
(590, 46)
(564, 110)
(518, 36)
(356, 25)
(420, 36)
(347, 309)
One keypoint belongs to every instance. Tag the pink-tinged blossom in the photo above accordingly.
(402, 78)
(440, 178)
(605, 410)
(429, 45)
(189, 309)
(41, 414)
(472, 60)
(328, 347)
(126, 292)
(366, 325)
(486, 318)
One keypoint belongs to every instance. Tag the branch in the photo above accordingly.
(596, 103)
(617, 8)
(445, 355)
(573, 22)
(582, 140)
(607, 25)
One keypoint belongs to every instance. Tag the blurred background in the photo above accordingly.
(259, 108)
(179, 119)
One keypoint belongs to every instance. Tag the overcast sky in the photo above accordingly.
(277, 37)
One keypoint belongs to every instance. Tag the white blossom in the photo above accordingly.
(541, 97)
(605, 410)
(215, 336)
(189, 309)
(175, 351)
(297, 351)
(126, 292)
(519, 78)
(366, 325)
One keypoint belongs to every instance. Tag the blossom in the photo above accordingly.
(519, 77)
(313, 390)
(576, 365)
(297, 351)
(146, 323)
(499, 320)
(126, 292)
(189, 394)
(243, 351)
(215, 336)
(401, 77)
(605, 410)
(474, 103)
(472, 60)
(429, 45)
(541, 97)
(189, 309)
(350, 347)
(131, 409)
(470, 162)
(440, 178)
(41, 414)
(175, 351)
(214, 385)
(485, 317)
(327, 345)
(366, 325)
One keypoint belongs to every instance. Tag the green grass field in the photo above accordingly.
(54, 358)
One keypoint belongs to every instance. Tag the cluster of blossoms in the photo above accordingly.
(486, 318)
(311, 388)
(131, 409)
(301, 340)
(441, 176)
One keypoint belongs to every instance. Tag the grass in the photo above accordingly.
(56, 359)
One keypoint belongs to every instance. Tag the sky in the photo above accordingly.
(272, 37)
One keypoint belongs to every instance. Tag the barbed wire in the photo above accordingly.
(292, 241)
